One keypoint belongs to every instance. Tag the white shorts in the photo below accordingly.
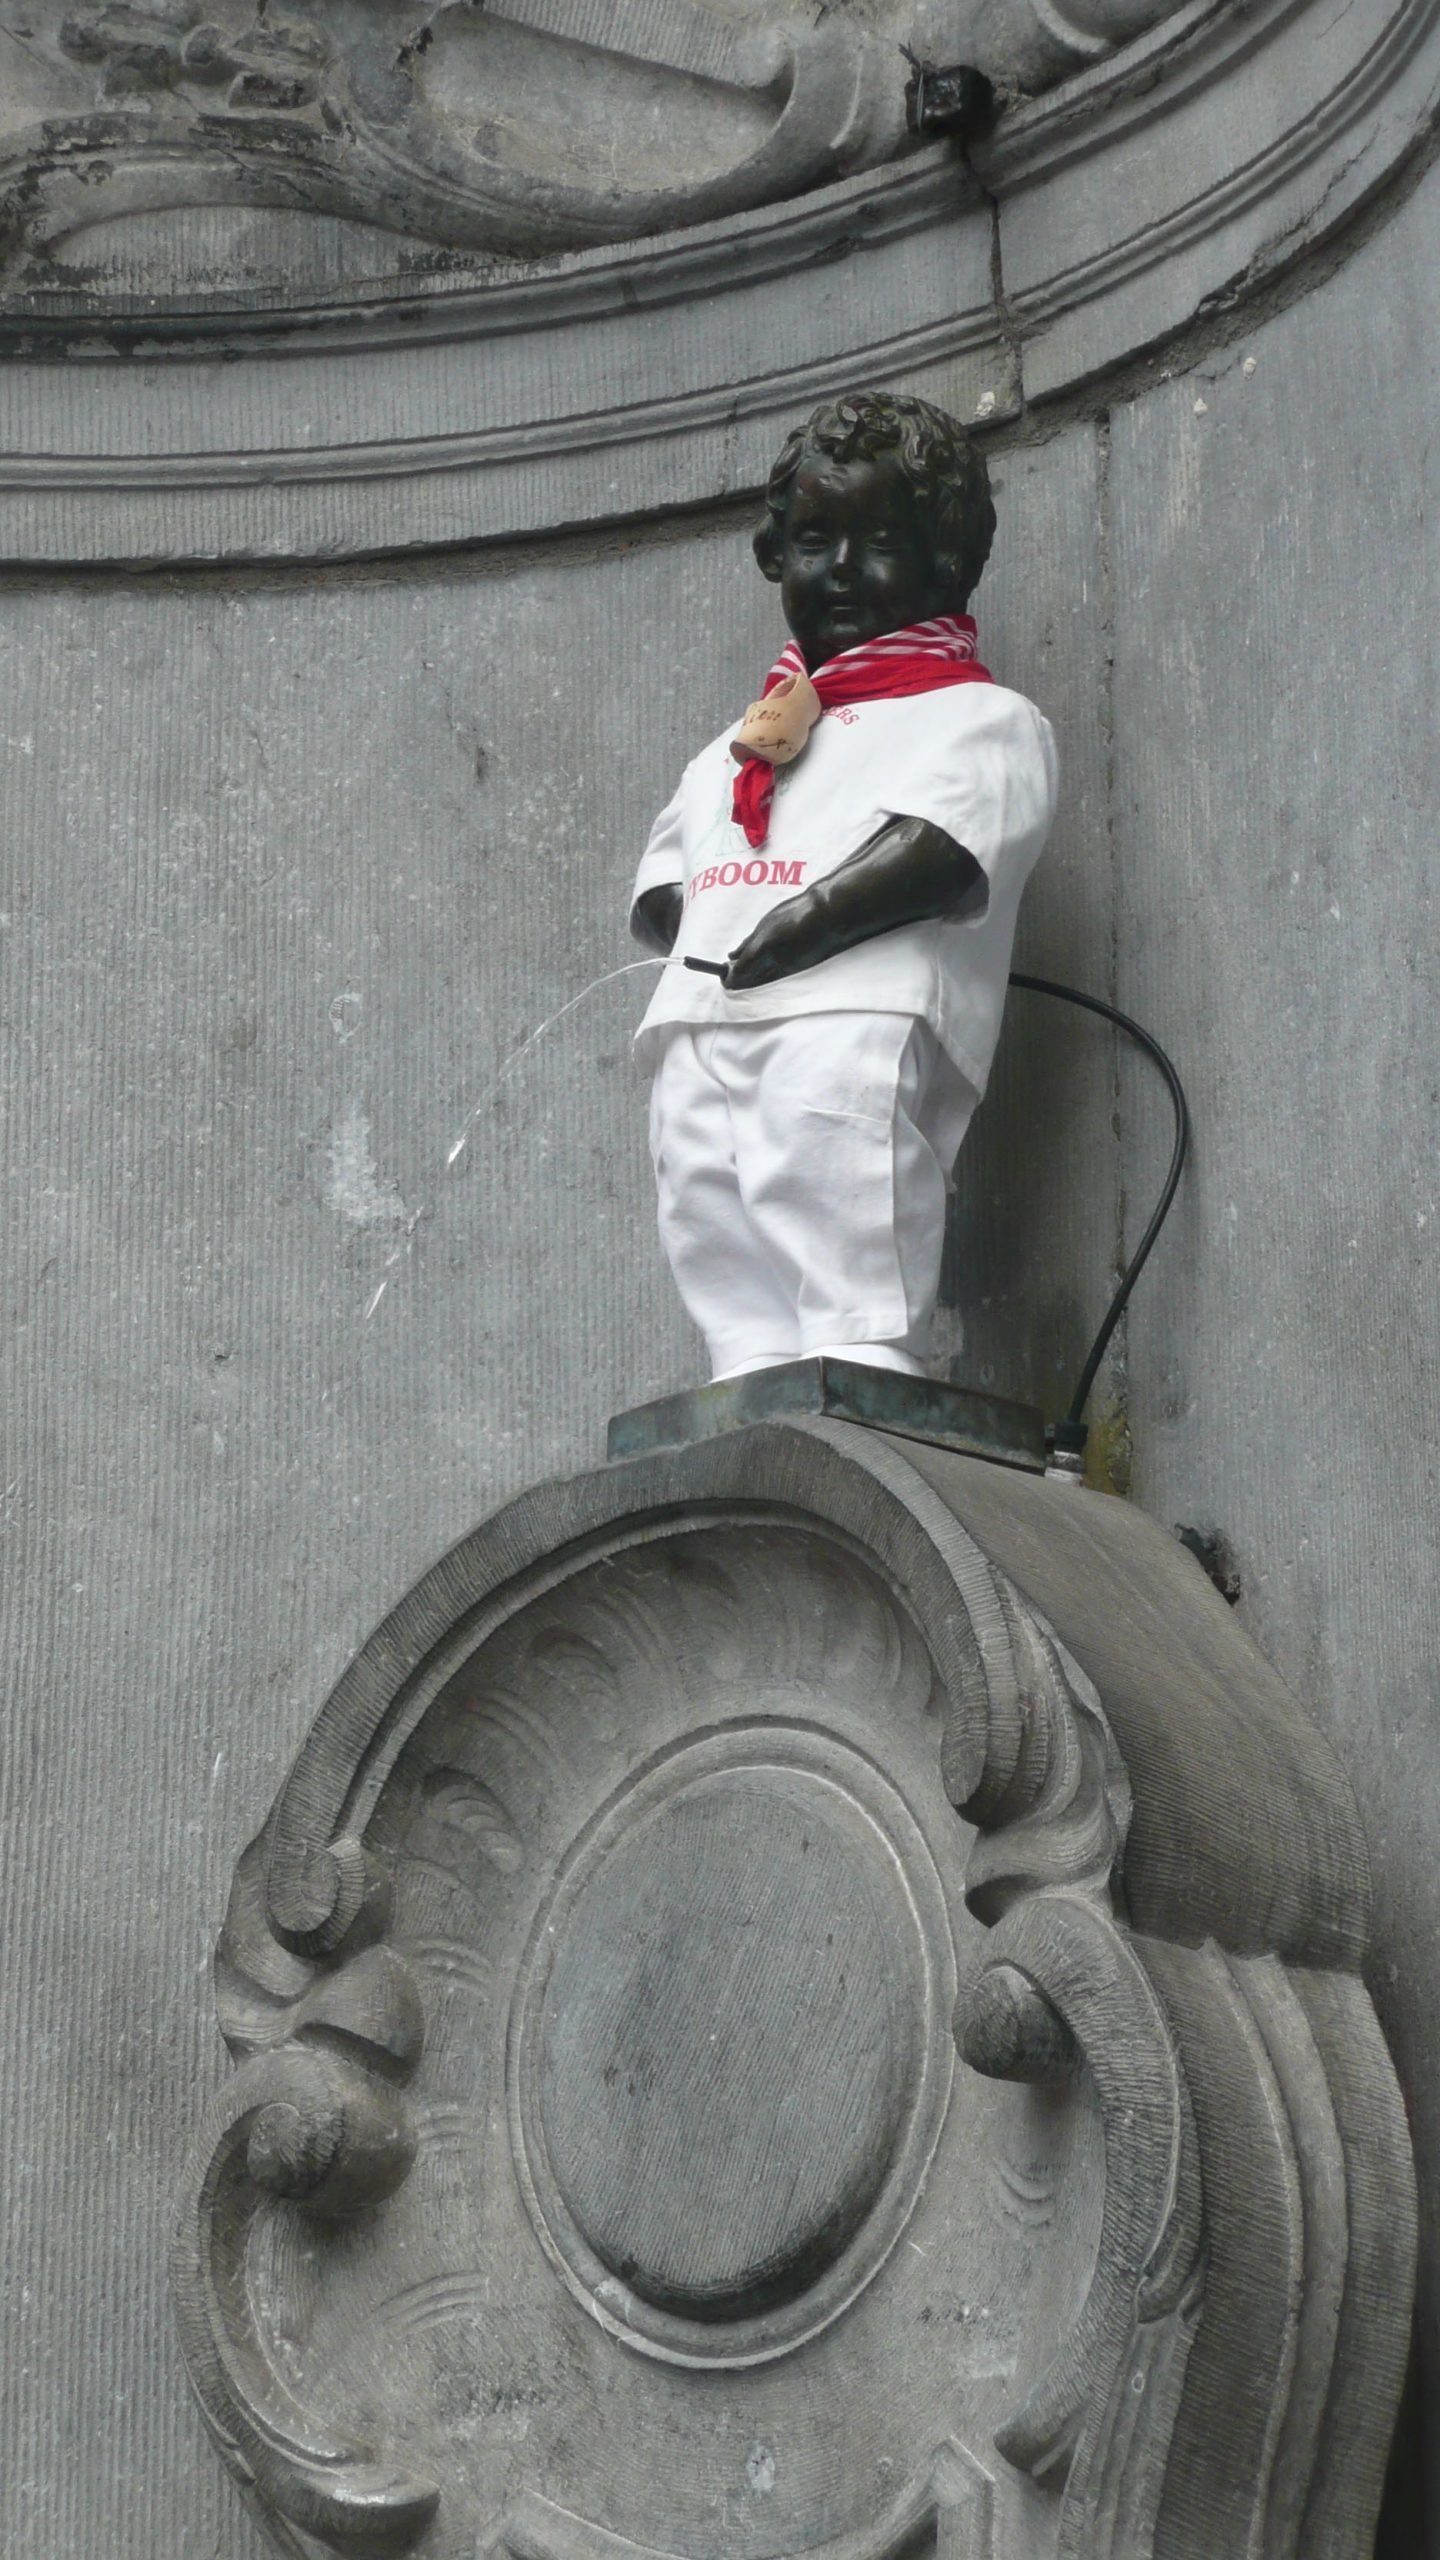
(802, 1169)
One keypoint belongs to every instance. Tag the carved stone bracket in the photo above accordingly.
(682, 1804)
(315, 2116)
(1133, 2334)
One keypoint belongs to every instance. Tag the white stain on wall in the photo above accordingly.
(355, 1187)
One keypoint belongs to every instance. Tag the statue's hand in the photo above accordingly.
(655, 916)
(794, 935)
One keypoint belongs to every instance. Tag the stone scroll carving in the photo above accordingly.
(523, 126)
(600, 2174)
(475, 272)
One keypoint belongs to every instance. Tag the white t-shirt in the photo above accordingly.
(974, 759)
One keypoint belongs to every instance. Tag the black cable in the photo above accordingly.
(1069, 1435)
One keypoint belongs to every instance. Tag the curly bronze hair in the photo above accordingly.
(945, 470)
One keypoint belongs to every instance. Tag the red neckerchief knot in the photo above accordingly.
(919, 659)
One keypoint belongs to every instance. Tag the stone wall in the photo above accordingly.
(1275, 541)
(298, 860)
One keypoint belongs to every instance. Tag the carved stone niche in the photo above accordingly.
(520, 128)
(411, 274)
(601, 2177)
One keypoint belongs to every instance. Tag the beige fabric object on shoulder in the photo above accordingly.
(778, 728)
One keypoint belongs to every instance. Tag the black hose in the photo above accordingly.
(1069, 1435)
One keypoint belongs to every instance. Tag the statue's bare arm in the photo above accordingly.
(906, 873)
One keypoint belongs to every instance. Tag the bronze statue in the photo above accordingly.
(836, 881)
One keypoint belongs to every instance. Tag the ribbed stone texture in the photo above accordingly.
(295, 866)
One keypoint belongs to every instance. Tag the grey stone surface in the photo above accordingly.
(592, 1988)
(293, 869)
(269, 847)
(1037, 1183)
(1208, 183)
(272, 933)
(1275, 542)
(441, 398)
(547, 126)
(286, 883)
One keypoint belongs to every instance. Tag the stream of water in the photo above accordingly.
(507, 1067)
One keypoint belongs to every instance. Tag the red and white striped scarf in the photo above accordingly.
(919, 659)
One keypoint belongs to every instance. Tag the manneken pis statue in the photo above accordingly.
(846, 867)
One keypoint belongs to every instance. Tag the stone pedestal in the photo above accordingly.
(601, 2174)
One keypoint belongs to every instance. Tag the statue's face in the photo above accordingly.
(859, 556)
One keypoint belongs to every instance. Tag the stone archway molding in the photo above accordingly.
(1184, 171)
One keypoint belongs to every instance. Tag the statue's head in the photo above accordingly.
(878, 513)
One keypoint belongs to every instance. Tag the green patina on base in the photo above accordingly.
(1012, 1435)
